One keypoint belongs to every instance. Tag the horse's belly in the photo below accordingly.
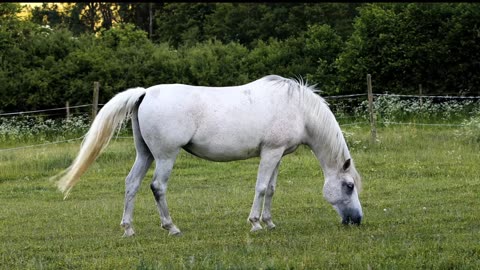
(222, 152)
(217, 154)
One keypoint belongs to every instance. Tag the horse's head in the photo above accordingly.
(341, 190)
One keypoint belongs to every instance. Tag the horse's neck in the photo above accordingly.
(327, 141)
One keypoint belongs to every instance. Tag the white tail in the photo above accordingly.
(110, 117)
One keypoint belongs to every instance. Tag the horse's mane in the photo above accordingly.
(317, 111)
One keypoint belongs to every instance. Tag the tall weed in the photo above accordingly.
(39, 129)
(394, 108)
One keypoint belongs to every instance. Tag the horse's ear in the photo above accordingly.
(347, 164)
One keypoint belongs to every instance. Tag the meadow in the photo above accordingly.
(420, 199)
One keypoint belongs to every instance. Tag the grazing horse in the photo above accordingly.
(266, 118)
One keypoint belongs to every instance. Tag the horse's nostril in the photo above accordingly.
(352, 218)
(346, 221)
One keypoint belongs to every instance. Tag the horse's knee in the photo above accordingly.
(270, 190)
(261, 189)
(158, 190)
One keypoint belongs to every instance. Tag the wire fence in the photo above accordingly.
(39, 145)
(423, 96)
(324, 97)
(65, 111)
(53, 143)
(45, 110)
(341, 118)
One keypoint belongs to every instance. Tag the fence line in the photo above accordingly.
(403, 123)
(422, 124)
(346, 117)
(48, 110)
(38, 145)
(45, 110)
(325, 97)
(422, 96)
(353, 124)
(52, 143)
(344, 96)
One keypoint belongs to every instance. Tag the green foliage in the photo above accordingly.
(9, 11)
(322, 45)
(246, 23)
(215, 64)
(49, 14)
(165, 65)
(123, 35)
(88, 63)
(279, 57)
(182, 23)
(31, 66)
(403, 45)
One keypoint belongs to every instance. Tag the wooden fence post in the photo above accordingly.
(420, 93)
(96, 87)
(67, 106)
(370, 109)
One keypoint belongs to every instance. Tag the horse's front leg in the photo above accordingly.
(159, 188)
(132, 183)
(267, 206)
(268, 163)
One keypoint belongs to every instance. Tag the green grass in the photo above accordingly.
(420, 200)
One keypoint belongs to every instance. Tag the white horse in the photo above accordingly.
(269, 118)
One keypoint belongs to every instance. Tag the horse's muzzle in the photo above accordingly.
(350, 215)
(352, 219)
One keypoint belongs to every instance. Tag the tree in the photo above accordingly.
(403, 45)
(247, 23)
(139, 15)
(49, 14)
(9, 12)
(322, 45)
(78, 17)
(180, 23)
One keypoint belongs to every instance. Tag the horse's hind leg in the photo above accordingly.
(132, 183)
(137, 173)
(163, 170)
(266, 214)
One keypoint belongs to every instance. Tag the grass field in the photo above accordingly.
(421, 201)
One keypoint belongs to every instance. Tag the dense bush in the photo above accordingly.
(213, 63)
(404, 45)
(401, 45)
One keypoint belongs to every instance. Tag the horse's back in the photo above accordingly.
(218, 123)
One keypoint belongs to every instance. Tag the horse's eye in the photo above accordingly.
(348, 187)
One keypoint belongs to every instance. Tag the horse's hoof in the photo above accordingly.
(175, 233)
(128, 233)
(271, 226)
(256, 228)
(173, 230)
